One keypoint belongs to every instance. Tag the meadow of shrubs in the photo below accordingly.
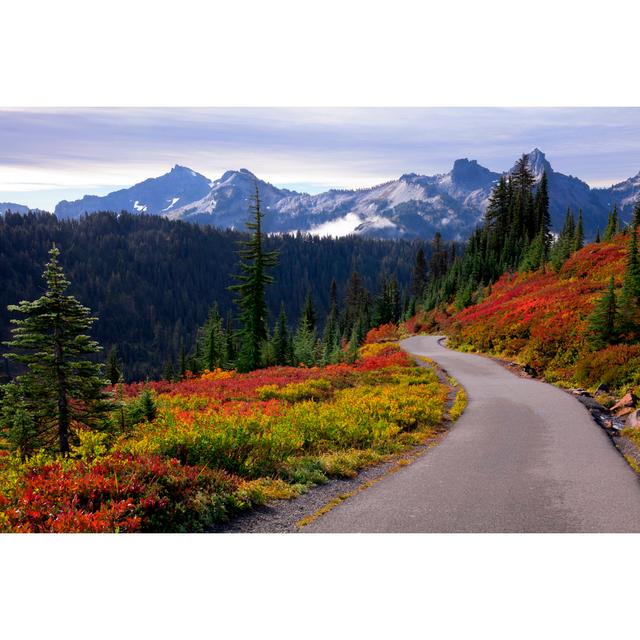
(181, 456)
(542, 319)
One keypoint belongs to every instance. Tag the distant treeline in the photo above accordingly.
(152, 281)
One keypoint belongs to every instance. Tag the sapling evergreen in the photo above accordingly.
(61, 388)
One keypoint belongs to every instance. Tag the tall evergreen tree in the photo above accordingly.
(419, 281)
(281, 339)
(309, 313)
(630, 294)
(61, 387)
(114, 367)
(602, 322)
(252, 280)
(543, 217)
(635, 220)
(211, 344)
(578, 242)
(613, 225)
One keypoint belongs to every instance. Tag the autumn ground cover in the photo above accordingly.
(224, 442)
(540, 319)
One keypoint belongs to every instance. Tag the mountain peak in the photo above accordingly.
(235, 174)
(538, 162)
(469, 172)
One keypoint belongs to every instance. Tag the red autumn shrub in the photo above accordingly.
(540, 318)
(119, 493)
(384, 333)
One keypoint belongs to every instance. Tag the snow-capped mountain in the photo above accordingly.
(155, 195)
(414, 205)
(624, 194)
(13, 207)
(226, 203)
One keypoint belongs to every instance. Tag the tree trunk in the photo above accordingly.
(63, 407)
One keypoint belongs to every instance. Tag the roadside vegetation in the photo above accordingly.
(238, 428)
(180, 456)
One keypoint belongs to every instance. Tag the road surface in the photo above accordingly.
(524, 457)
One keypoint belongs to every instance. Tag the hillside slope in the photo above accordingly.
(540, 320)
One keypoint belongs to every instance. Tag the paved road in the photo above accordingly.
(524, 457)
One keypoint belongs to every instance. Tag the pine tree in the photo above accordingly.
(635, 221)
(630, 294)
(211, 344)
(613, 225)
(114, 368)
(183, 359)
(534, 258)
(597, 240)
(304, 345)
(543, 217)
(61, 387)
(253, 279)
(309, 313)
(281, 339)
(169, 372)
(230, 341)
(419, 281)
(602, 322)
(578, 241)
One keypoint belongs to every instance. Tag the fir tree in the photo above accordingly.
(253, 279)
(630, 294)
(169, 372)
(543, 217)
(578, 241)
(603, 320)
(635, 220)
(183, 359)
(419, 281)
(304, 345)
(309, 313)
(61, 387)
(281, 339)
(534, 258)
(613, 225)
(211, 344)
(114, 368)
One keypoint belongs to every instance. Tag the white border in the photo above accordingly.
(78, 53)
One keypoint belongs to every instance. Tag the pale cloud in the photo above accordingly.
(45, 152)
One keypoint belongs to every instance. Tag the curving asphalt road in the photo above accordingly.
(524, 457)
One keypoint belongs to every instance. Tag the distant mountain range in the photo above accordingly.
(12, 206)
(411, 206)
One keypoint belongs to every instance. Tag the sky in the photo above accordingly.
(47, 155)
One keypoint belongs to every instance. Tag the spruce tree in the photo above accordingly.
(61, 388)
(309, 313)
(211, 344)
(635, 220)
(252, 280)
(613, 225)
(578, 241)
(168, 372)
(114, 368)
(602, 322)
(183, 359)
(543, 217)
(630, 294)
(281, 339)
(419, 281)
